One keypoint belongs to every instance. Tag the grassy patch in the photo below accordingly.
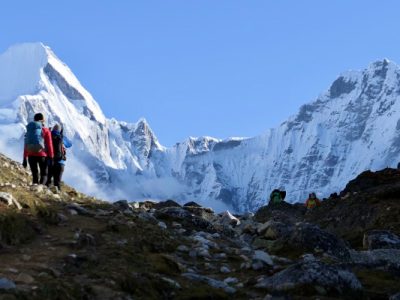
(15, 228)
(378, 283)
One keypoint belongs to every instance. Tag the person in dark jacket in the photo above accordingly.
(56, 170)
(38, 158)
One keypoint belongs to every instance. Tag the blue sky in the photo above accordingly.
(219, 68)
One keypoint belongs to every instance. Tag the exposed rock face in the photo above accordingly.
(369, 202)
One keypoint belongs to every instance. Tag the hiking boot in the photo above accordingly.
(55, 189)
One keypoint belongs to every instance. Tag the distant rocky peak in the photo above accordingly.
(342, 86)
(142, 129)
(198, 145)
(144, 139)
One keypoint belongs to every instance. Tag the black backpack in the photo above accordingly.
(58, 147)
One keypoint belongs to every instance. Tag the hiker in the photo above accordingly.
(38, 149)
(277, 196)
(312, 201)
(60, 143)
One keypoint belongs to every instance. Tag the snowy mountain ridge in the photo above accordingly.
(351, 127)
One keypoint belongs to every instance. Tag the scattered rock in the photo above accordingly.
(263, 257)
(38, 188)
(10, 200)
(79, 209)
(25, 278)
(231, 280)
(162, 225)
(72, 212)
(256, 266)
(167, 203)
(135, 205)
(247, 216)
(310, 276)
(83, 240)
(228, 219)
(224, 269)
(192, 203)
(183, 248)
(147, 205)
(185, 218)
(303, 238)
(171, 282)
(210, 281)
(6, 284)
(220, 256)
(273, 230)
(381, 239)
(144, 215)
(377, 258)
(173, 213)
(26, 257)
(122, 205)
(281, 212)
(176, 225)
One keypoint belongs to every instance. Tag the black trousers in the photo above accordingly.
(37, 163)
(55, 172)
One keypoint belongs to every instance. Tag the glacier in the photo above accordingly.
(351, 127)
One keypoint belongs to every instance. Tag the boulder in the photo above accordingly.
(210, 281)
(310, 238)
(79, 209)
(184, 217)
(122, 205)
(295, 240)
(228, 219)
(191, 203)
(281, 212)
(10, 200)
(389, 258)
(147, 205)
(173, 213)
(203, 212)
(167, 203)
(273, 230)
(263, 257)
(381, 239)
(313, 277)
(6, 284)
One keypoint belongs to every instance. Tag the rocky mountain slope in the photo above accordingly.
(71, 246)
(350, 128)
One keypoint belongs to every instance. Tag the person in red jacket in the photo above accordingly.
(39, 158)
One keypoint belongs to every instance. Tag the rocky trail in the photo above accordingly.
(71, 246)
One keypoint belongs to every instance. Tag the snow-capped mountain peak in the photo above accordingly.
(29, 68)
(352, 126)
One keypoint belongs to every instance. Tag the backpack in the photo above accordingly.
(276, 196)
(311, 203)
(34, 141)
(58, 147)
